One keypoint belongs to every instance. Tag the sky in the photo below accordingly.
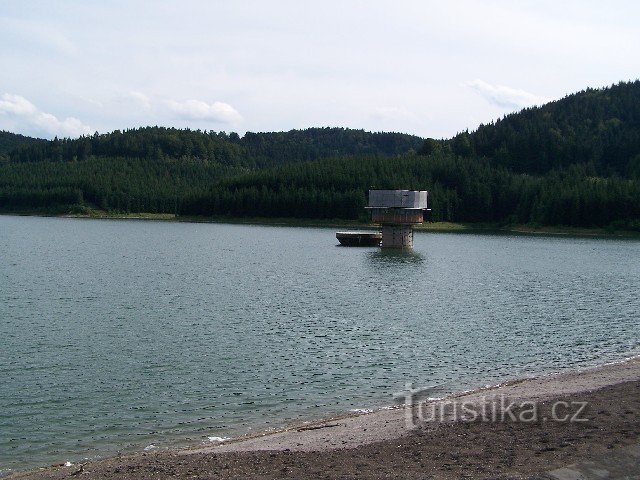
(430, 68)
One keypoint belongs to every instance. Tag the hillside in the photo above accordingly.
(575, 161)
(596, 127)
(11, 141)
(460, 190)
(572, 162)
(153, 169)
(252, 150)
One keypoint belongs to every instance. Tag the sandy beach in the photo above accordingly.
(521, 429)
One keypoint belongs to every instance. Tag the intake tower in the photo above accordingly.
(397, 211)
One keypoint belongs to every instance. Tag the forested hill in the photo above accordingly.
(153, 169)
(11, 141)
(599, 127)
(575, 161)
(315, 143)
(252, 150)
(572, 162)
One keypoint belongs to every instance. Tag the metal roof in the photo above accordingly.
(407, 199)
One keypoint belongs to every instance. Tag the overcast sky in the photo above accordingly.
(431, 68)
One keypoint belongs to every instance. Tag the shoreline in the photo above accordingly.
(311, 424)
(573, 381)
(434, 227)
(353, 432)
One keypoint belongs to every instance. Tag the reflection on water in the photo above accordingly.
(395, 256)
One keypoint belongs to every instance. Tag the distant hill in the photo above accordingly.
(575, 161)
(314, 143)
(153, 169)
(572, 162)
(253, 149)
(596, 127)
(11, 141)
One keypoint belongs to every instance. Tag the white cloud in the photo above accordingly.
(28, 118)
(140, 99)
(505, 97)
(218, 112)
(280, 64)
(17, 105)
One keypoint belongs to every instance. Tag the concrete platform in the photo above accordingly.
(359, 239)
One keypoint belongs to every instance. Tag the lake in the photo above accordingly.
(124, 335)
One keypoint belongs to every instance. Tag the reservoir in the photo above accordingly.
(125, 335)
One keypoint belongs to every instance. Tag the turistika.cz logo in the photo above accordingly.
(421, 408)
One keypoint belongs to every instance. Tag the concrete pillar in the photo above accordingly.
(397, 236)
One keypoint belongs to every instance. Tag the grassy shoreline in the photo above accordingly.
(436, 227)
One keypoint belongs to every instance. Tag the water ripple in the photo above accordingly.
(123, 335)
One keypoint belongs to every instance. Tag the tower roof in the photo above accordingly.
(405, 199)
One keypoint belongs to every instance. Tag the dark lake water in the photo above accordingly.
(119, 335)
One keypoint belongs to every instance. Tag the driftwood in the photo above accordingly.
(318, 427)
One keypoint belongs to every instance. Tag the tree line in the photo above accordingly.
(600, 127)
(575, 162)
(460, 189)
(254, 150)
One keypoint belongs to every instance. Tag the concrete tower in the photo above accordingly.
(397, 211)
